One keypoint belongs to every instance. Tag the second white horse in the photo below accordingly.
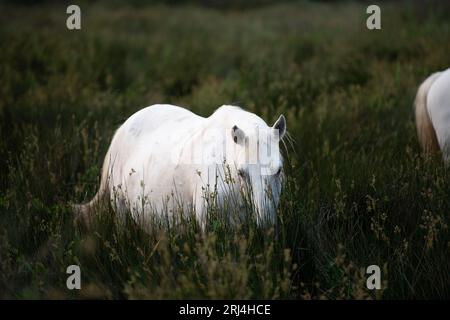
(432, 107)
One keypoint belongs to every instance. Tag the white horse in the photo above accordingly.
(432, 107)
(165, 158)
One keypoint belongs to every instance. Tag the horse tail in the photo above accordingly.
(84, 211)
(425, 131)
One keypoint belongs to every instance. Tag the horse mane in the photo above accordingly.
(229, 115)
(229, 106)
(229, 109)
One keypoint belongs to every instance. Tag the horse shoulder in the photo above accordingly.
(438, 105)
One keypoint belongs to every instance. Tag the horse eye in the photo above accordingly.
(241, 173)
(278, 172)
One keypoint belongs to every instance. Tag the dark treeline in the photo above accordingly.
(421, 8)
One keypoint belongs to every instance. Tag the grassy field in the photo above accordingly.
(358, 190)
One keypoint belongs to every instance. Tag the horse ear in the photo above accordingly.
(237, 134)
(280, 125)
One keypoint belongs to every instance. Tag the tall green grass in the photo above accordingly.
(358, 191)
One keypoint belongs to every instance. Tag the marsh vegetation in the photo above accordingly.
(358, 190)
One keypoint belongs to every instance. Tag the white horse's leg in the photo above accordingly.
(200, 208)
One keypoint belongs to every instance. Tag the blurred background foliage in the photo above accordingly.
(358, 191)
